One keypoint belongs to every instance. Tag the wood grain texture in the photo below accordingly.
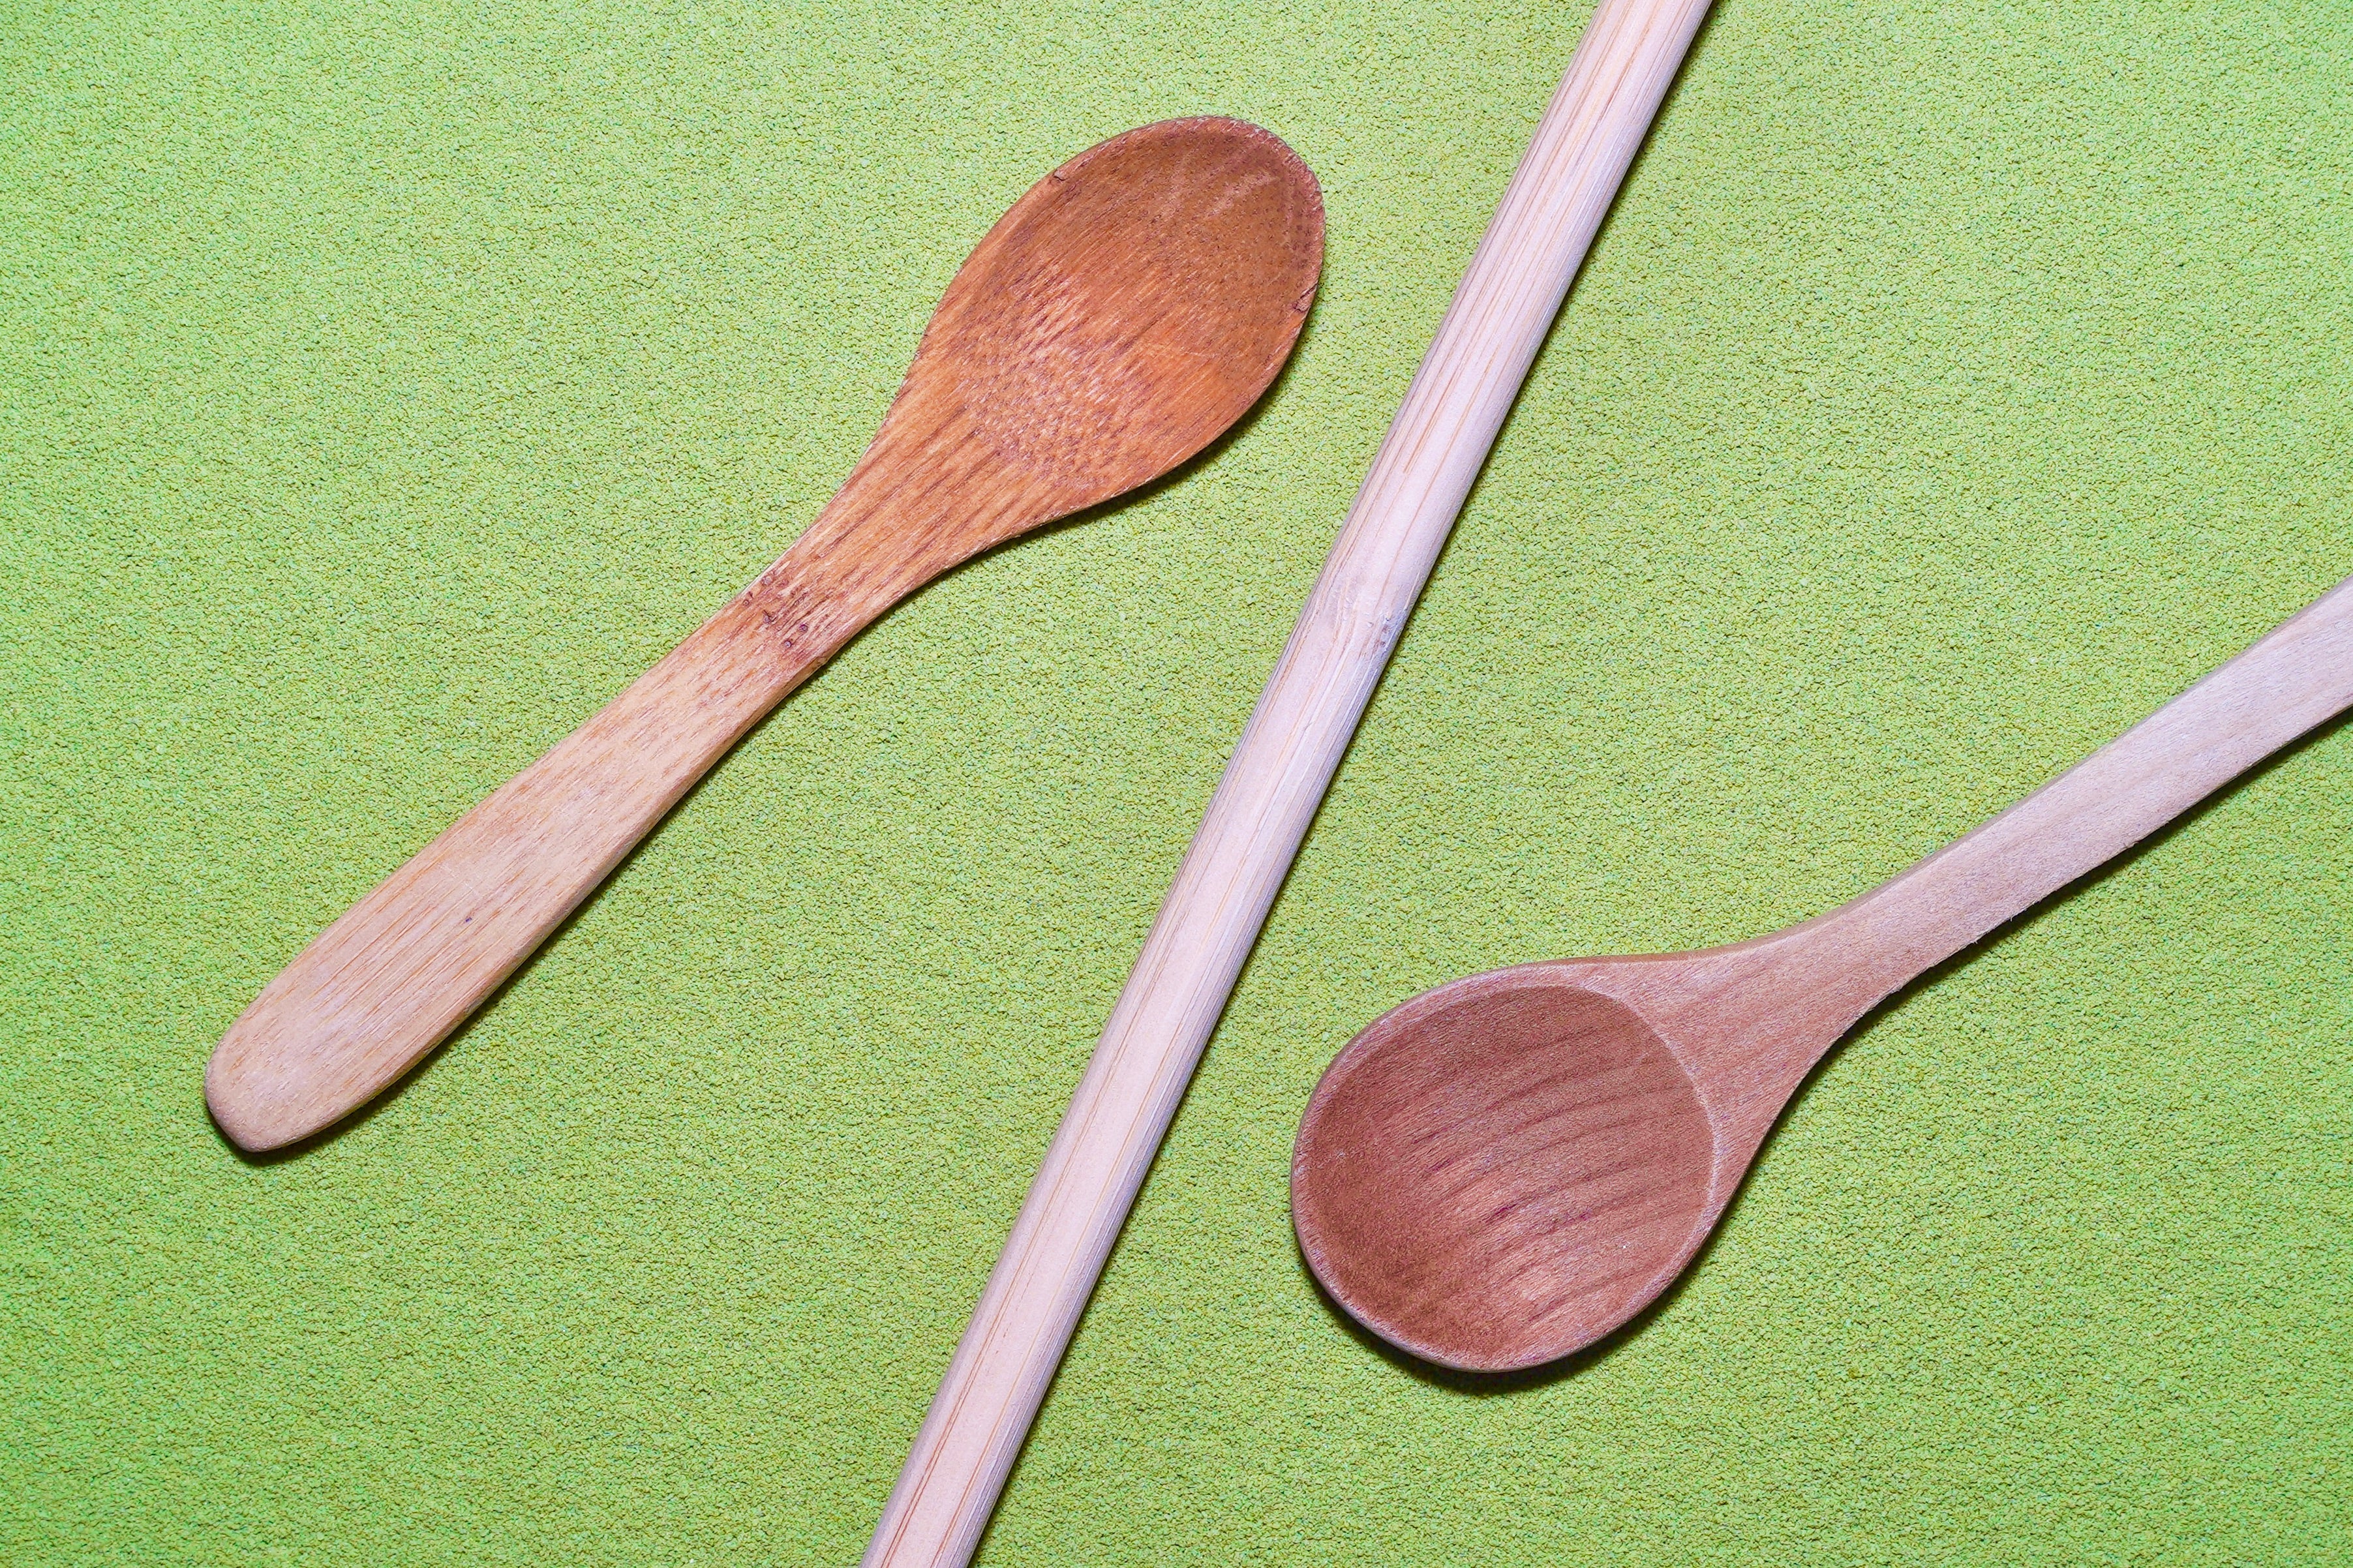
(1505, 1168)
(1129, 307)
(1276, 777)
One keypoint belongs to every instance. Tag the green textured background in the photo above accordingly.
(386, 384)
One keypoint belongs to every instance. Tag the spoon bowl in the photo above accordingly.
(1119, 318)
(1095, 341)
(1494, 1174)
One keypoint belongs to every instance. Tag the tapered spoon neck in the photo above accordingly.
(926, 497)
(1868, 949)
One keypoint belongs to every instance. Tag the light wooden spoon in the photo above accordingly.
(1122, 314)
(1503, 1170)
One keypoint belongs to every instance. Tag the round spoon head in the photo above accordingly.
(1502, 1171)
(1119, 318)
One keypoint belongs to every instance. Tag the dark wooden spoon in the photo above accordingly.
(1126, 311)
(1503, 1170)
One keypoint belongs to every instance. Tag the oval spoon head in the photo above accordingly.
(1502, 1171)
(1119, 318)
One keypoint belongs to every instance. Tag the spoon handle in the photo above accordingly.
(1275, 779)
(2298, 676)
(406, 965)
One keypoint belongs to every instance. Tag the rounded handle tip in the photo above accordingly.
(251, 1106)
(268, 1086)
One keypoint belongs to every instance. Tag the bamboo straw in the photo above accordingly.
(1277, 776)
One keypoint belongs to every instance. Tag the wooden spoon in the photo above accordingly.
(1126, 309)
(1503, 1170)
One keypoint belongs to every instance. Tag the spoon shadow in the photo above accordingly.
(1144, 492)
(1577, 1363)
